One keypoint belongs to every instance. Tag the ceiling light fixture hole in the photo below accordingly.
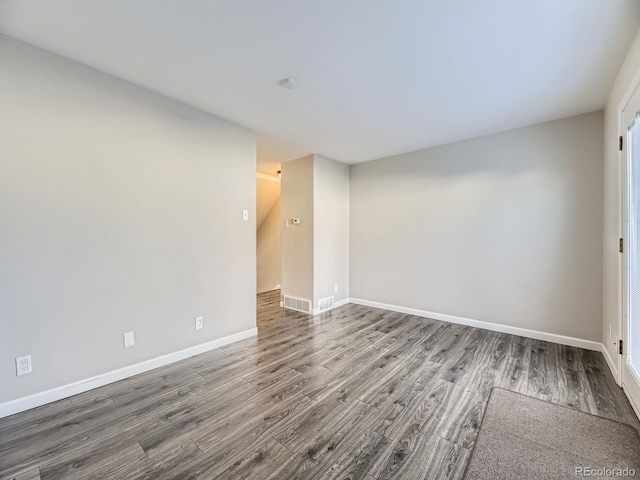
(289, 83)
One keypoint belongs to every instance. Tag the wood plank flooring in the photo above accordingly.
(357, 393)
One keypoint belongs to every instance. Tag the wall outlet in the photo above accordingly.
(128, 340)
(23, 365)
(335, 288)
(199, 321)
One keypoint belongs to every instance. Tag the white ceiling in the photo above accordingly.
(375, 77)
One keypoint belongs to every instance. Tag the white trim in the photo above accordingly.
(622, 206)
(342, 302)
(496, 327)
(277, 287)
(636, 408)
(58, 393)
(621, 200)
(266, 176)
(612, 365)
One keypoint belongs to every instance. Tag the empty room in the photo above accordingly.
(297, 239)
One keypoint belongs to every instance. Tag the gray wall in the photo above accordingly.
(297, 240)
(119, 210)
(268, 248)
(504, 228)
(330, 229)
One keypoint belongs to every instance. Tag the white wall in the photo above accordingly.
(268, 248)
(330, 229)
(297, 240)
(504, 228)
(119, 210)
(315, 254)
(612, 197)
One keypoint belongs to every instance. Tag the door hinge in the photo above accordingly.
(620, 350)
(621, 245)
(620, 142)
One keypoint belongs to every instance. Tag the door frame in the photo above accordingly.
(623, 200)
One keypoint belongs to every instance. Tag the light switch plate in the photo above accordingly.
(245, 215)
(128, 339)
(199, 322)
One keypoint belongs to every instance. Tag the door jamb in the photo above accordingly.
(622, 231)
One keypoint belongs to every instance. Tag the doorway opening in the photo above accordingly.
(268, 232)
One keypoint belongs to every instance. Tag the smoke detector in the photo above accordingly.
(288, 83)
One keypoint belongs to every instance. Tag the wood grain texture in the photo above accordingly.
(357, 393)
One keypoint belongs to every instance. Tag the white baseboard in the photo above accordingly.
(612, 365)
(65, 391)
(636, 408)
(277, 287)
(497, 327)
(342, 302)
(59, 393)
(523, 332)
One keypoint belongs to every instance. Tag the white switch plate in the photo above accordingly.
(199, 322)
(245, 215)
(128, 339)
(23, 365)
(335, 288)
(286, 223)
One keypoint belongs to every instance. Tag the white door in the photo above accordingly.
(631, 257)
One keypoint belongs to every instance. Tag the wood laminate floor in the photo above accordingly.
(357, 393)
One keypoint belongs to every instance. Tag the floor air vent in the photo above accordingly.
(325, 304)
(299, 304)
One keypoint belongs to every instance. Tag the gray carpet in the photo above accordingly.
(525, 438)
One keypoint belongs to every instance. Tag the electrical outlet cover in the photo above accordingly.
(128, 339)
(23, 365)
(199, 323)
